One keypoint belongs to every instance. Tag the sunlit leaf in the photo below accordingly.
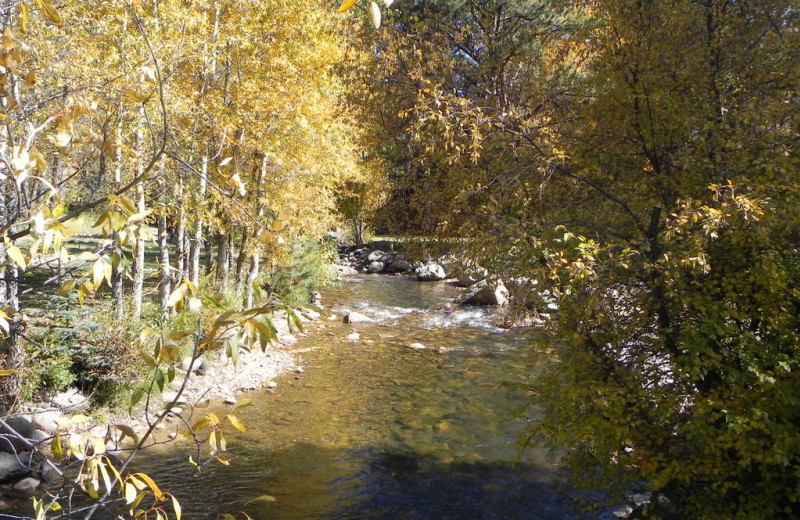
(16, 256)
(176, 507)
(239, 425)
(375, 14)
(50, 12)
(127, 431)
(346, 4)
(152, 485)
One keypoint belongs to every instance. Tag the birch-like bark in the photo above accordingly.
(138, 260)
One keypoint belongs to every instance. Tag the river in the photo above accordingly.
(373, 429)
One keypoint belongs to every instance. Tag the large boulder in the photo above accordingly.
(399, 265)
(430, 272)
(375, 267)
(485, 293)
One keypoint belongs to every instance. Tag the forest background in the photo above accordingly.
(636, 158)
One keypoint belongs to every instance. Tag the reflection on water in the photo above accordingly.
(376, 430)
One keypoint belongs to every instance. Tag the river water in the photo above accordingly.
(373, 429)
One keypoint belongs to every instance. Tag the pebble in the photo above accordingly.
(300, 370)
(230, 400)
(354, 336)
(272, 384)
(172, 435)
(416, 346)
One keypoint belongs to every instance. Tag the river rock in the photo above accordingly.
(379, 256)
(70, 400)
(47, 420)
(485, 293)
(357, 317)
(311, 314)
(355, 336)
(198, 366)
(13, 466)
(9, 442)
(25, 488)
(345, 270)
(430, 272)
(399, 265)
(375, 267)
(416, 346)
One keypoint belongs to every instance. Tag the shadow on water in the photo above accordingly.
(310, 482)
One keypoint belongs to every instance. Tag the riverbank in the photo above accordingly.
(214, 378)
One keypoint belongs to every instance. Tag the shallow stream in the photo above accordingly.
(373, 429)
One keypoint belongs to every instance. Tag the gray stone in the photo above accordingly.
(191, 366)
(311, 314)
(398, 265)
(345, 270)
(47, 420)
(379, 256)
(13, 466)
(430, 272)
(485, 293)
(25, 488)
(375, 267)
(70, 400)
(357, 317)
(9, 442)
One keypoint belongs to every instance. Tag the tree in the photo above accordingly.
(639, 167)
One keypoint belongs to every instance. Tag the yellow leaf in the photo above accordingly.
(98, 272)
(130, 493)
(63, 133)
(16, 255)
(127, 431)
(346, 4)
(239, 425)
(66, 287)
(176, 507)
(9, 372)
(136, 97)
(79, 418)
(24, 15)
(8, 39)
(176, 296)
(262, 498)
(235, 181)
(375, 14)
(30, 78)
(50, 11)
(152, 485)
(57, 450)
